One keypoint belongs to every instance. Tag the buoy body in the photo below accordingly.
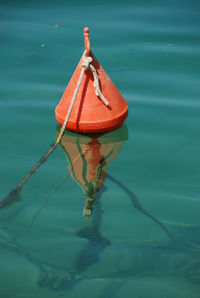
(89, 113)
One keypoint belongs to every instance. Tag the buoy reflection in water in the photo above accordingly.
(88, 158)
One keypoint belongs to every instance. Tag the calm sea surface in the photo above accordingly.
(143, 237)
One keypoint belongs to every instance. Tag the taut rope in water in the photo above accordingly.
(86, 65)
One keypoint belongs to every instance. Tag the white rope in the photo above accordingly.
(96, 79)
(71, 105)
(85, 65)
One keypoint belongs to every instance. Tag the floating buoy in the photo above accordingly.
(91, 102)
(88, 159)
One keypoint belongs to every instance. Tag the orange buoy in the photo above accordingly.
(98, 105)
(88, 159)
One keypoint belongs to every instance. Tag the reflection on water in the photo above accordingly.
(88, 159)
(66, 265)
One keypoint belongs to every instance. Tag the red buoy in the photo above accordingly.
(90, 114)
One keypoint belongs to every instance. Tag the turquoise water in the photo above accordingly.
(143, 237)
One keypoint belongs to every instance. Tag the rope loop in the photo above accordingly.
(86, 61)
(87, 65)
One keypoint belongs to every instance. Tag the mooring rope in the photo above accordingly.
(85, 66)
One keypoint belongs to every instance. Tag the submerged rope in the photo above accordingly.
(85, 66)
